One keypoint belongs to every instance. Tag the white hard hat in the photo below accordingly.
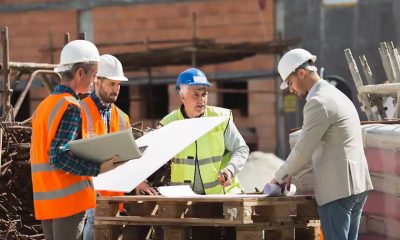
(292, 60)
(77, 51)
(110, 67)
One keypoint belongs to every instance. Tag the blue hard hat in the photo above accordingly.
(193, 77)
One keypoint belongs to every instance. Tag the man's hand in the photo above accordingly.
(144, 189)
(285, 184)
(110, 164)
(225, 177)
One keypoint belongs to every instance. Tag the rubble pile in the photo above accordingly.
(16, 205)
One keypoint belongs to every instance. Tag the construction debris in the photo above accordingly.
(17, 219)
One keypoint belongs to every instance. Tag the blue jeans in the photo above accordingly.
(340, 219)
(88, 233)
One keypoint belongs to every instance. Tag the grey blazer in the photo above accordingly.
(331, 137)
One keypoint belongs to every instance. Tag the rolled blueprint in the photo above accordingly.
(274, 190)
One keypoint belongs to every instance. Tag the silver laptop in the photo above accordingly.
(101, 148)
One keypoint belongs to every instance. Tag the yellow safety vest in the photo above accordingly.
(208, 150)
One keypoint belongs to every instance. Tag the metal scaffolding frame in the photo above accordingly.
(12, 73)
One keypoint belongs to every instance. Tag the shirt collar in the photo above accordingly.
(64, 89)
(182, 109)
(100, 105)
(313, 89)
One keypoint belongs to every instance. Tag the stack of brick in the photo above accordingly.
(381, 215)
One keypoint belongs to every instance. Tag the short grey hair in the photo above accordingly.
(183, 89)
(69, 74)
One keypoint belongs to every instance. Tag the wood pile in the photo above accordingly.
(237, 217)
(17, 219)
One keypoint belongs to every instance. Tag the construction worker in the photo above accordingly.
(62, 188)
(331, 137)
(101, 115)
(211, 163)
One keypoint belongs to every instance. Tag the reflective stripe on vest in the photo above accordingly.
(56, 193)
(64, 192)
(208, 149)
(191, 161)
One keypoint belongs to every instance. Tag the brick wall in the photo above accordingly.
(223, 20)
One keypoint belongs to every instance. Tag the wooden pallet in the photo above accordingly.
(250, 217)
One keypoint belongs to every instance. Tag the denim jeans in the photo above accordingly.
(340, 219)
(88, 233)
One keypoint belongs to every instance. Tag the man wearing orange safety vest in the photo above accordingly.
(62, 187)
(100, 116)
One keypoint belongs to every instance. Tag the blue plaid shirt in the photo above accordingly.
(70, 128)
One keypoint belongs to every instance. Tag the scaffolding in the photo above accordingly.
(12, 74)
(373, 96)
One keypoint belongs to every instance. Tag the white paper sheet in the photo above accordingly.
(163, 144)
(176, 191)
(184, 191)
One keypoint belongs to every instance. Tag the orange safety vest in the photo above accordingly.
(94, 125)
(56, 194)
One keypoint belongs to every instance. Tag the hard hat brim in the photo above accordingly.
(284, 85)
(117, 78)
(198, 84)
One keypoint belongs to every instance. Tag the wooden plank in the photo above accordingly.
(307, 211)
(248, 217)
(311, 233)
(204, 210)
(134, 220)
(103, 209)
(104, 232)
(171, 209)
(272, 213)
(139, 209)
(237, 213)
(249, 233)
(257, 200)
(174, 233)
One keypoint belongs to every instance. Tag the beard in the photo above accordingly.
(108, 98)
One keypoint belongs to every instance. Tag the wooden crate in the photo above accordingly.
(250, 217)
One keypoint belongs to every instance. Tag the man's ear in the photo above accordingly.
(181, 97)
(79, 72)
(302, 72)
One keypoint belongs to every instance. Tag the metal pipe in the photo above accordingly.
(387, 65)
(382, 89)
(29, 66)
(66, 38)
(363, 98)
(376, 100)
(393, 62)
(26, 89)
(397, 111)
(82, 36)
(46, 84)
(194, 40)
(367, 70)
(6, 105)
